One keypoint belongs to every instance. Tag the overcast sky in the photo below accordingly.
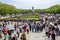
(27, 4)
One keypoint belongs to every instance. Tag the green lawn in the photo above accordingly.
(27, 17)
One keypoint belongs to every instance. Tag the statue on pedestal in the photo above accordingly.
(33, 10)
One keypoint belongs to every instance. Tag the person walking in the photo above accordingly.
(15, 26)
(49, 31)
(53, 33)
(5, 34)
(20, 28)
(32, 27)
(38, 26)
(59, 29)
(27, 29)
(24, 28)
(35, 27)
(29, 26)
(18, 31)
(46, 30)
(9, 33)
(1, 33)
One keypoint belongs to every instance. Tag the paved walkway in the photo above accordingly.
(36, 36)
(39, 36)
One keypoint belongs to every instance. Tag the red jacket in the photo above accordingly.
(5, 31)
(24, 28)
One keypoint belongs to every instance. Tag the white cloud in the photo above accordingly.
(35, 3)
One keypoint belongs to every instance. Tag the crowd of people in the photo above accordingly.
(11, 29)
(52, 26)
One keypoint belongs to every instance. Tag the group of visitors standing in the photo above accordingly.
(11, 30)
(51, 27)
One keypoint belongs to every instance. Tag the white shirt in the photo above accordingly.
(9, 27)
(46, 29)
(20, 27)
(27, 26)
(59, 27)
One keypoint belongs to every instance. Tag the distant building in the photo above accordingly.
(33, 10)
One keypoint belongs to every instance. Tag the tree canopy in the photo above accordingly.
(7, 9)
(54, 9)
(10, 9)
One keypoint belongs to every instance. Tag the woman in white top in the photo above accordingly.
(46, 30)
(27, 29)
